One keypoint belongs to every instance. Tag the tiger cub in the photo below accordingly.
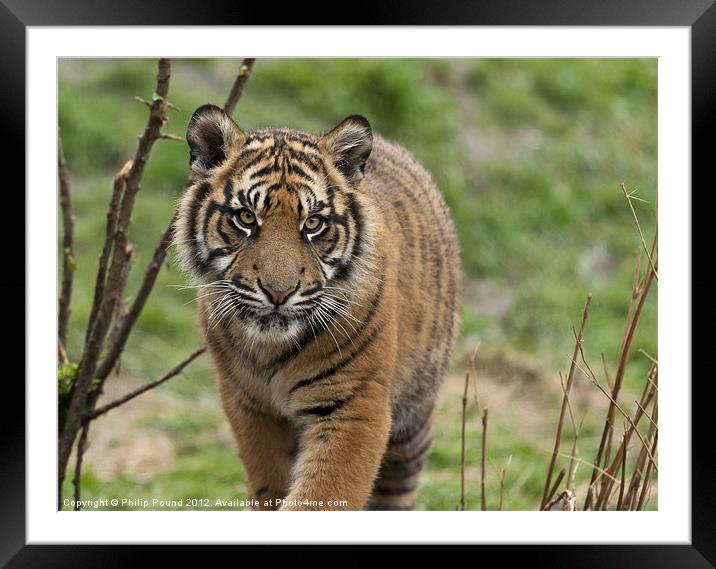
(328, 274)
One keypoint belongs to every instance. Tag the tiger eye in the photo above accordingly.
(312, 223)
(247, 217)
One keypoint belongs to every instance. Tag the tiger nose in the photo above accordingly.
(278, 297)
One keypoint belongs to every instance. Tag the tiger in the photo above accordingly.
(328, 279)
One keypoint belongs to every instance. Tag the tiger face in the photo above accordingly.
(271, 226)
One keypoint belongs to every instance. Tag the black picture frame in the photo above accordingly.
(17, 15)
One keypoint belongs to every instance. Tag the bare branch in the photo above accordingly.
(647, 477)
(502, 475)
(483, 465)
(622, 480)
(551, 503)
(554, 488)
(652, 434)
(473, 370)
(629, 331)
(68, 252)
(565, 400)
(176, 370)
(142, 100)
(629, 197)
(76, 481)
(112, 212)
(237, 88)
(113, 269)
(119, 313)
(160, 252)
(643, 352)
(462, 443)
(150, 276)
(613, 401)
(616, 463)
(652, 421)
(602, 472)
(107, 301)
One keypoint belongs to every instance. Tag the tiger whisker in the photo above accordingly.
(223, 304)
(206, 295)
(323, 321)
(342, 299)
(221, 282)
(347, 322)
(332, 321)
(340, 309)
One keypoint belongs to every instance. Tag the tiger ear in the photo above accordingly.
(211, 135)
(350, 144)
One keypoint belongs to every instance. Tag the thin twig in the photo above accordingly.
(603, 497)
(632, 494)
(502, 475)
(635, 292)
(68, 251)
(579, 460)
(647, 477)
(622, 481)
(554, 487)
(176, 370)
(473, 370)
(606, 372)
(565, 398)
(238, 87)
(647, 415)
(462, 444)
(572, 464)
(646, 354)
(629, 331)
(483, 466)
(616, 405)
(619, 408)
(572, 472)
(651, 380)
(638, 226)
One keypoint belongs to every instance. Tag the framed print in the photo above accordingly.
(410, 274)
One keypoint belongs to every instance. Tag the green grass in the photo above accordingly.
(529, 154)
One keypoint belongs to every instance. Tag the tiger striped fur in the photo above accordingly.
(328, 277)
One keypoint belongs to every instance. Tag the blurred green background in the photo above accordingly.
(529, 154)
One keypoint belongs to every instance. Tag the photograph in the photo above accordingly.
(418, 283)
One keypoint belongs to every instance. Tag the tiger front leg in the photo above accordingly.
(266, 446)
(343, 438)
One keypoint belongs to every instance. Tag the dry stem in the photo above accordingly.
(638, 227)
(629, 331)
(565, 399)
(462, 443)
(483, 466)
